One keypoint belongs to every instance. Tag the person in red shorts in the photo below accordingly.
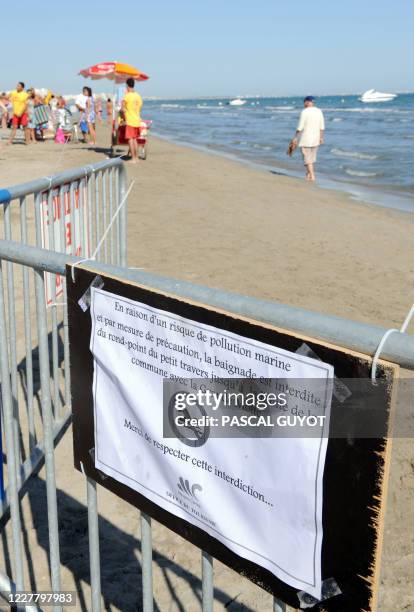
(131, 108)
(19, 98)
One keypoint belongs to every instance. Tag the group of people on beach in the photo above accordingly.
(29, 110)
(34, 114)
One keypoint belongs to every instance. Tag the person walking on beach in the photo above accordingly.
(131, 109)
(310, 131)
(31, 124)
(90, 115)
(19, 98)
(86, 106)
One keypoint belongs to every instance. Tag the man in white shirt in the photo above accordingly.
(310, 132)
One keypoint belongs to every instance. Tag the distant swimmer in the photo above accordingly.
(310, 132)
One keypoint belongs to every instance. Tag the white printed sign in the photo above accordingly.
(262, 498)
(70, 231)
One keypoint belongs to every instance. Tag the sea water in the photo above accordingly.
(368, 150)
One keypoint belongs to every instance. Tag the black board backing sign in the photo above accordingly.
(355, 475)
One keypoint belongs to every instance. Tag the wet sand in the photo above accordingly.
(209, 220)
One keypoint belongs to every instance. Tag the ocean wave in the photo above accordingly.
(336, 119)
(361, 174)
(359, 109)
(261, 146)
(280, 107)
(353, 154)
(172, 106)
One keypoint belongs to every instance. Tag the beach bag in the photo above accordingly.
(60, 136)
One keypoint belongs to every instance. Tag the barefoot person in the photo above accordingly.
(90, 115)
(19, 98)
(310, 132)
(131, 108)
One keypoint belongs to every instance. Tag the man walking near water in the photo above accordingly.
(131, 107)
(310, 132)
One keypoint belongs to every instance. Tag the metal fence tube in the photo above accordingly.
(352, 335)
(279, 606)
(12, 338)
(122, 189)
(94, 560)
(12, 464)
(207, 581)
(146, 556)
(55, 350)
(66, 353)
(44, 184)
(111, 212)
(34, 463)
(105, 220)
(97, 214)
(48, 432)
(27, 330)
(8, 586)
(117, 222)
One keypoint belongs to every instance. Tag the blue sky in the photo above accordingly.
(216, 47)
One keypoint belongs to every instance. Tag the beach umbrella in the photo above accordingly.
(115, 71)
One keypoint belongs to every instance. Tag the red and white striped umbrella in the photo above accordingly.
(115, 71)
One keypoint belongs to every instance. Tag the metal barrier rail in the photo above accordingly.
(362, 337)
(358, 336)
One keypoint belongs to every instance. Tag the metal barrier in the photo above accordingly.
(358, 336)
(69, 213)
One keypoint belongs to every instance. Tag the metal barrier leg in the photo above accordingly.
(207, 581)
(122, 189)
(279, 606)
(94, 557)
(12, 464)
(146, 554)
(55, 345)
(12, 339)
(27, 330)
(48, 433)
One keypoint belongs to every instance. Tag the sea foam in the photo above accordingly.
(353, 154)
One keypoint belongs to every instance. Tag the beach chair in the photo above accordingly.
(69, 127)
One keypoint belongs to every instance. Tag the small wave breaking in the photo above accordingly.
(361, 174)
(353, 154)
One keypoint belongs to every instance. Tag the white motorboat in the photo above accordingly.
(377, 96)
(237, 102)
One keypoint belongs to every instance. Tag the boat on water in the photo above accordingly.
(237, 102)
(377, 96)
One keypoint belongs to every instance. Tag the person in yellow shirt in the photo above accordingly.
(19, 98)
(131, 108)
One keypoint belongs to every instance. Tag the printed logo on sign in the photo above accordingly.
(186, 489)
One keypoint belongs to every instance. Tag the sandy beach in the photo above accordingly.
(222, 223)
